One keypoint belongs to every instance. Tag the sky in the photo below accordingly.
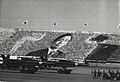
(73, 15)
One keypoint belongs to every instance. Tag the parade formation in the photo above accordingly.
(105, 74)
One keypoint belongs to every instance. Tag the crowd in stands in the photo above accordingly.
(105, 74)
(76, 49)
(102, 52)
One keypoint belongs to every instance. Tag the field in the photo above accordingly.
(79, 74)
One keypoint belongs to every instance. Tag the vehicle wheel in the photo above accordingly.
(20, 68)
(67, 71)
(59, 71)
(32, 71)
(2, 67)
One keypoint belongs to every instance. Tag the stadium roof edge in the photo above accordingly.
(63, 31)
(90, 32)
(67, 31)
(7, 29)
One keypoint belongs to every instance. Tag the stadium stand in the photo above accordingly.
(77, 49)
(101, 53)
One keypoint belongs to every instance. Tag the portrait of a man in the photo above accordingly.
(53, 49)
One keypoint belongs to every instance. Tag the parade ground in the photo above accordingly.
(79, 74)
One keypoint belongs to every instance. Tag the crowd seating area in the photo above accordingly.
(102, 52)
(76, 49)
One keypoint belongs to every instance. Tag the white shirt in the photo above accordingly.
(51, 50)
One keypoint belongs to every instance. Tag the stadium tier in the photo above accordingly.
(103, 53)
(19, 43)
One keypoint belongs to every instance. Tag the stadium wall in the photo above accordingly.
(111, 65)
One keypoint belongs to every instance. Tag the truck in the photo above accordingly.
(23, 64)
(61, 65)
(31, 64)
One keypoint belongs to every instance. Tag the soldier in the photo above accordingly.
(112, 75)
(99, 74)
(94, 74)
(104, 76)
(117, 75)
